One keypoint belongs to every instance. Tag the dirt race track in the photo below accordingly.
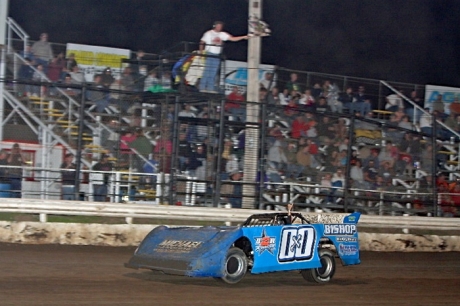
(78, 275)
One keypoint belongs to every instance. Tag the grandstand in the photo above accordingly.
(327, 142)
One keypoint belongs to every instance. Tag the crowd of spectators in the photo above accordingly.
(308, 136)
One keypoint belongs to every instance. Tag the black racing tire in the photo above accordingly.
(324, 273)
(235, 266)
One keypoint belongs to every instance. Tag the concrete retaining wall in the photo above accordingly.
(132, 235)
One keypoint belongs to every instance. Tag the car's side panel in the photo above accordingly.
(281, 248)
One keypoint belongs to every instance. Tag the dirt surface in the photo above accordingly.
(78, 275)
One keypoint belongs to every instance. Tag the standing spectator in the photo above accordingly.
(234, 106)
(184, 151)
(97, 94)
(233, 191)
(212, 43)
(127, 80)
(293, 84)
(17, 160)
(394, 102)
(322, 106)
(42, 51)
(268, 83)
(68, 178)
(276, 155)
(26, 74)
(101, 180)
(4, 179)
(38, 77)
(357, 175)
(439, 106)
(143, 146)
(55, 68)
(71, 62)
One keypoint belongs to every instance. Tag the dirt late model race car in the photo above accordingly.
(266, 242)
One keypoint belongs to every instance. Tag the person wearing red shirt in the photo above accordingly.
(234, 106)
(299, 127)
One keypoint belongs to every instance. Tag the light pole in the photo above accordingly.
(3, 17)
(252, 110)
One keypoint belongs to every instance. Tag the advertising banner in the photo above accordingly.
(94, 59)
(236, 74)
(449, 94)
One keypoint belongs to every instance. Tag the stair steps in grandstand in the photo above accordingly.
(77, 133)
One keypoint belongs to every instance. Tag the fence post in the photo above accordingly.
(81, 125)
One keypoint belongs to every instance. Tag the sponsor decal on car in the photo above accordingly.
(347, 249)
(297, 243)
(347, 239)
(265, 243)
(183, 246)
(339, 229)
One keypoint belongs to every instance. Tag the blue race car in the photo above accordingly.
(267, 242)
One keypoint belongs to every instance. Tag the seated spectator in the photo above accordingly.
(362, 102)
(346, 98)
(317, 91)
(151, 80)
(405, 123)
(357, 175)
(426, 123)
(322, 106)
(388, 155)
(341, 129)
(166, 81)
(285, 97)
(370, 174)
(299, 127)
(293, 169)
(276, 155)
(187, 111)
(77, 76)
(273, 99)
(374, 157)
(107, 78)
(308, 101)
(386, 172)
(325, 129)
(394, 102)
(291, 110)
(338, 182)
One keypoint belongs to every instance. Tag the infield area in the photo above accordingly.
(81, 275)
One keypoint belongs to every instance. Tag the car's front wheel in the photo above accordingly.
(324, 273)
(236, 265)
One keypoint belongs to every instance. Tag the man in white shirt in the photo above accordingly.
(212, 43)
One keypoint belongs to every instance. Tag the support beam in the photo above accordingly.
(3, 16)
(251, 156)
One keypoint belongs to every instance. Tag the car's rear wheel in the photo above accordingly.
(235, 266)
(324, 273)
